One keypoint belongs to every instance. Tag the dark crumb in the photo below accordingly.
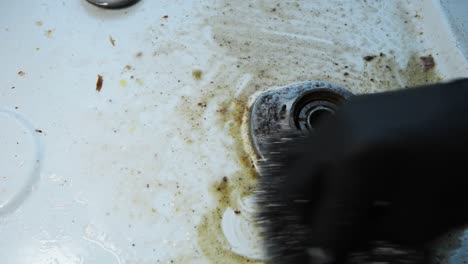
(382, 54)
(16, 107)
(369, 57)
(225, 179)
(273, 10)
(38, 131)
(201, 104)
(346, 74)
(12, 87)
(99, 83)
(427, 62)
(237, 212)
(346, 67)
(372, 80)
(139, 54)
(133, 245)
(388, 67)
(147, 185)
(166, 17)
(21, 73)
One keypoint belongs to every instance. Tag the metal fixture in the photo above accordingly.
(302, 106)
(112, 3)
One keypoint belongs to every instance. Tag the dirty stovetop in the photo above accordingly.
(124, 133)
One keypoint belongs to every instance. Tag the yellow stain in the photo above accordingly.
(132, 130)
(197, 74)
(123, 83)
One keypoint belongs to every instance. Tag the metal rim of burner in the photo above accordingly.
(113, 4)
(291, 109)
(314, 106)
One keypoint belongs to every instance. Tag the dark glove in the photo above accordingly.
(388, 169)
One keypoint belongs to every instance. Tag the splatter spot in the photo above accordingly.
(49, 33)
(112, 40)
(427, 62)
(197, 74)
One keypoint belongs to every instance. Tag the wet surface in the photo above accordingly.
(271, 45)
(131, 174)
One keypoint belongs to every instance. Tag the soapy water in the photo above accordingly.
(240, 229)
(32, 175)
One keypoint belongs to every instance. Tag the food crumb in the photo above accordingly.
(38, 131)
(99, 83)
(197, 74)
(166, 17)
(427, 62)
(139, 54)
(21, 73)
(369, 57)
(128, 67)
(237, 212)
(49, 33)
(346, 74)
(112, 40)
(39, 23)
(201, 104)
(123, 83)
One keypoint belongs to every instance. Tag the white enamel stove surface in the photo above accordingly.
(126, 175)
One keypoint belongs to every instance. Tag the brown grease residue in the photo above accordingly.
(228, 189)
(271, 60)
